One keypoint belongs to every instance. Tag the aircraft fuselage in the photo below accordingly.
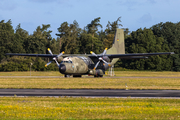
(75, 65)
(80, 65)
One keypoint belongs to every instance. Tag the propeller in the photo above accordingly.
(54, 58)
(100, 58)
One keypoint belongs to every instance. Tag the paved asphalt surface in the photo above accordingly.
(90, 93)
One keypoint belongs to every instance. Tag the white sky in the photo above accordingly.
(134, 14)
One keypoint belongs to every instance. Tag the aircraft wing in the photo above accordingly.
(133, 55)
(51, 55)
(31, 55)
(121, 56)
(44, 55)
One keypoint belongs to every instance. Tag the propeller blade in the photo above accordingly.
(54, 57)
(93, 53)
(96, 65)
(56, 61)
(60, 54)
(48, 63)
(106, 63)
(49, 51)
(101, 59)
(104, 52)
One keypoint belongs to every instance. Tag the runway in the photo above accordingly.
(91, 93)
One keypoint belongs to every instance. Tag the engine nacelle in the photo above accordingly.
(106, 66)
(97, 72)
(59, 59)
(106, 58)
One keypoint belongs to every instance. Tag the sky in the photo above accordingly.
(134, 14)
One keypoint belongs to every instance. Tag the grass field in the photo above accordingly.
(141, 82)
(88, 108)
(33, 108)
(91, 83)
(117, 73)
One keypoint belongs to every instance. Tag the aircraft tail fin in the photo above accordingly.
(118, 46)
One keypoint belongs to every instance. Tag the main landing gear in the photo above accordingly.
(73, 75)
(76, 75)
(98, 75)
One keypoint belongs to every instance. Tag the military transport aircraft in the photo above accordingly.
(92, 64)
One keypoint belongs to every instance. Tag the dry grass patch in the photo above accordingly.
(91, 83)
(33, 73)
(147, 73)
(117, 73)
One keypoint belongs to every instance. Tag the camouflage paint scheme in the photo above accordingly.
(76, 67)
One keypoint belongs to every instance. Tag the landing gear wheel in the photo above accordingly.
(98, 75)
(76, 75)
(66, 75)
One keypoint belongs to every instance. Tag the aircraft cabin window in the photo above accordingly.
(66, 61)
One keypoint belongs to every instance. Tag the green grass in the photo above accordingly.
(141, 82)
(117, 73)
(88, 108)
(91, 83)
(33, 73)
(147, 73)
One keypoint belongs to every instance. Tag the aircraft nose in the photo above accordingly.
(62, 68)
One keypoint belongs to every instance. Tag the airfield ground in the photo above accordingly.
(54, 80)
(90, 108)
(117, 73)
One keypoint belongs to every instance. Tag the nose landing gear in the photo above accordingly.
(66, 75)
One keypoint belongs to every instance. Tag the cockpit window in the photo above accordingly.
(66, 62)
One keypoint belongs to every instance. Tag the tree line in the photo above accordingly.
(162, 37)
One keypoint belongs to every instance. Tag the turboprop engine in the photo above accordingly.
(97, 72)
(59, 59)
(56, 59)
(102, 58)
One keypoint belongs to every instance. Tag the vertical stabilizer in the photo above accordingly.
(118, 46)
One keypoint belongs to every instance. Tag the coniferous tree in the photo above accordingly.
(92, 28)
(69, 37)
(6, 38)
